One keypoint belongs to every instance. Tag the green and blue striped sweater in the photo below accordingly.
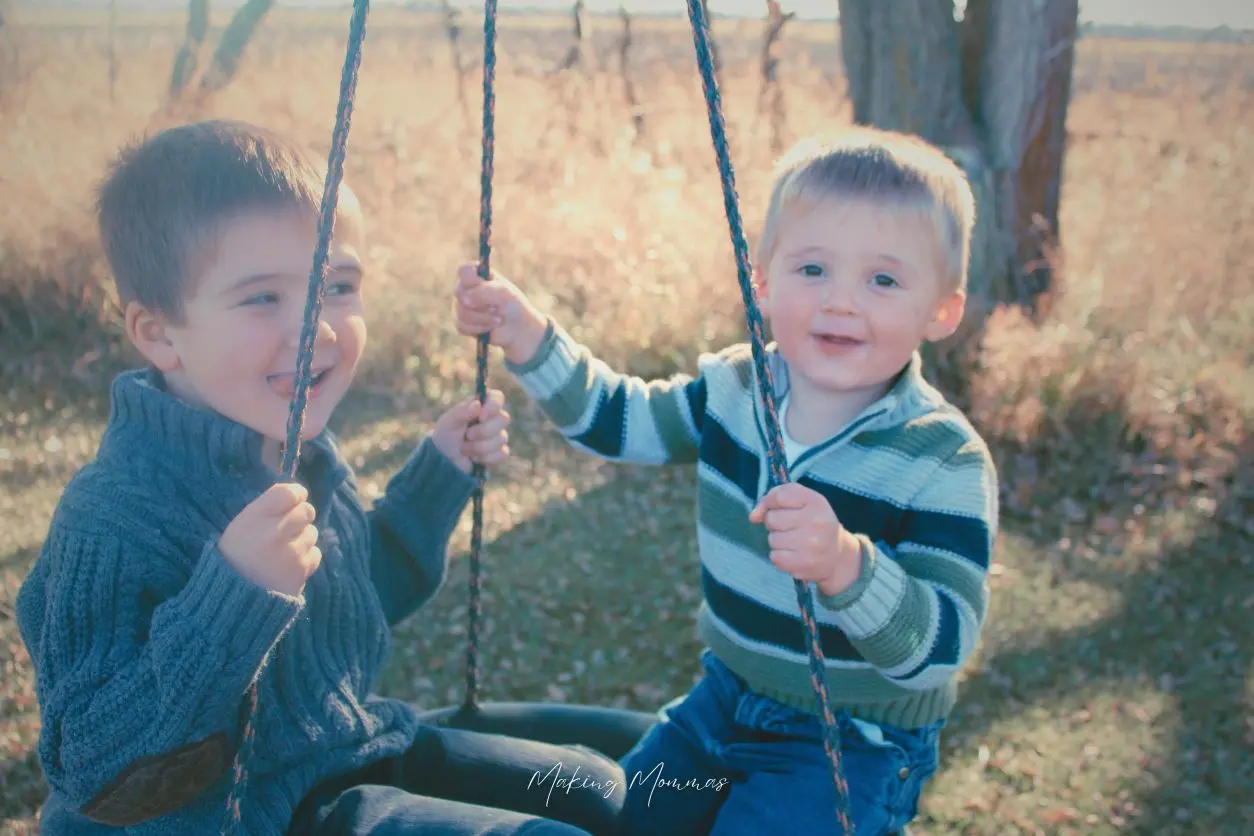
(909, 476)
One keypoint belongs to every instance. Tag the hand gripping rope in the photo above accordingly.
(317, 280)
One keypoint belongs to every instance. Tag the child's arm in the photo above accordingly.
(412, 523)
(612, 415)
(140, 674)
(598, 410)
(915, 612)
(410, 526)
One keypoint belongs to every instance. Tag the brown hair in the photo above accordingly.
(161, 205)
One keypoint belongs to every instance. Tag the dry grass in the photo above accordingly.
(1112, 692)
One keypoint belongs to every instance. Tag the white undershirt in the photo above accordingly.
(792, 447)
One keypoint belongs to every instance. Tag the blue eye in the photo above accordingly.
(884, 280)
(341, 289)
(261, 299)
(812, 271)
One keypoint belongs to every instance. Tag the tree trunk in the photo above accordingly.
(189, 53)
(235, 39)
(629, 89)
(575, 54)
(230, 49)
(453, 31)
(770, 94)
(992, 90)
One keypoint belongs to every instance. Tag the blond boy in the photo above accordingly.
(891, 508)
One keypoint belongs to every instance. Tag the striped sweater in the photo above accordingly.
(909, 476)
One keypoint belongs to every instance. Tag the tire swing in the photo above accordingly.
(612, 732)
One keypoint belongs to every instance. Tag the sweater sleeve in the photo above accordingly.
(123, 677)
(916, 610)
(410, 527)
(612, 415)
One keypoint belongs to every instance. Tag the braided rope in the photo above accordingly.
(309, 331)
(475, 606)
(775, 447)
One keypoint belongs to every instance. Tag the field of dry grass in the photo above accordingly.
(1112, 692)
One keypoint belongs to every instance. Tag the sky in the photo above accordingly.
(1206, 14)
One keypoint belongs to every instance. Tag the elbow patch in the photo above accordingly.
(156, 786)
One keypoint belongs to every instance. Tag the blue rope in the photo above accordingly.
(775, 448)
(475, 607)
(309, 333)
(313, 308)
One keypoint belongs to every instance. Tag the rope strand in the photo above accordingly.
(475, 606)
(775, 448)
(309, 332)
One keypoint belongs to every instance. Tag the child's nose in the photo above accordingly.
(324, 335)
(838, 297)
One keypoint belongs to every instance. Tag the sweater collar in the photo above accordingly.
(145, 416)
(909, 395)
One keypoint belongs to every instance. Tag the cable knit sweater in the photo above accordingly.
(144, 639)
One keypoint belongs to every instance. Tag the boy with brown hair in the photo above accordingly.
(178, 569)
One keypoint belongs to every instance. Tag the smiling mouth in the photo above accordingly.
(284, 384)
(837, 341)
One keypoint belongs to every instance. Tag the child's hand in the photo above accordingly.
(807, 540)
(465, 442)
(273, 542)
(498, 308)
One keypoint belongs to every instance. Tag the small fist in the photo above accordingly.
(471, 433)
(273, 541)
(500, 310)
(807, 540)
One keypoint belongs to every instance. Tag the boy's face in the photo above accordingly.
(852, 289)
(235, 350)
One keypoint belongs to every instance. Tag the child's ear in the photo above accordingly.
(948, 317)
(147, 331)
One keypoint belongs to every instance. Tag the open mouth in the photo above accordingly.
(837, 341)
(284, 384)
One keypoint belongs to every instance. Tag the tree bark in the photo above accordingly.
(992, 91)
(1025, 72)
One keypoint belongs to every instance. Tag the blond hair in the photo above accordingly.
(884, 167)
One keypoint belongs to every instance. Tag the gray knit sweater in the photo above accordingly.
(144, 639)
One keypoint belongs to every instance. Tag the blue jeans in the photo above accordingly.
(723, 760)
(453, 782)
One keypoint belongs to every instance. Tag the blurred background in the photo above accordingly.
(1106, 360)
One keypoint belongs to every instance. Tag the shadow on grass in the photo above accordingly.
(580, 582)
(592, 601)
(24, 788)
(1184, 608)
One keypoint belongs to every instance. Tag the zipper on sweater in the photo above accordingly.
(832, 443)
(800, 465)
